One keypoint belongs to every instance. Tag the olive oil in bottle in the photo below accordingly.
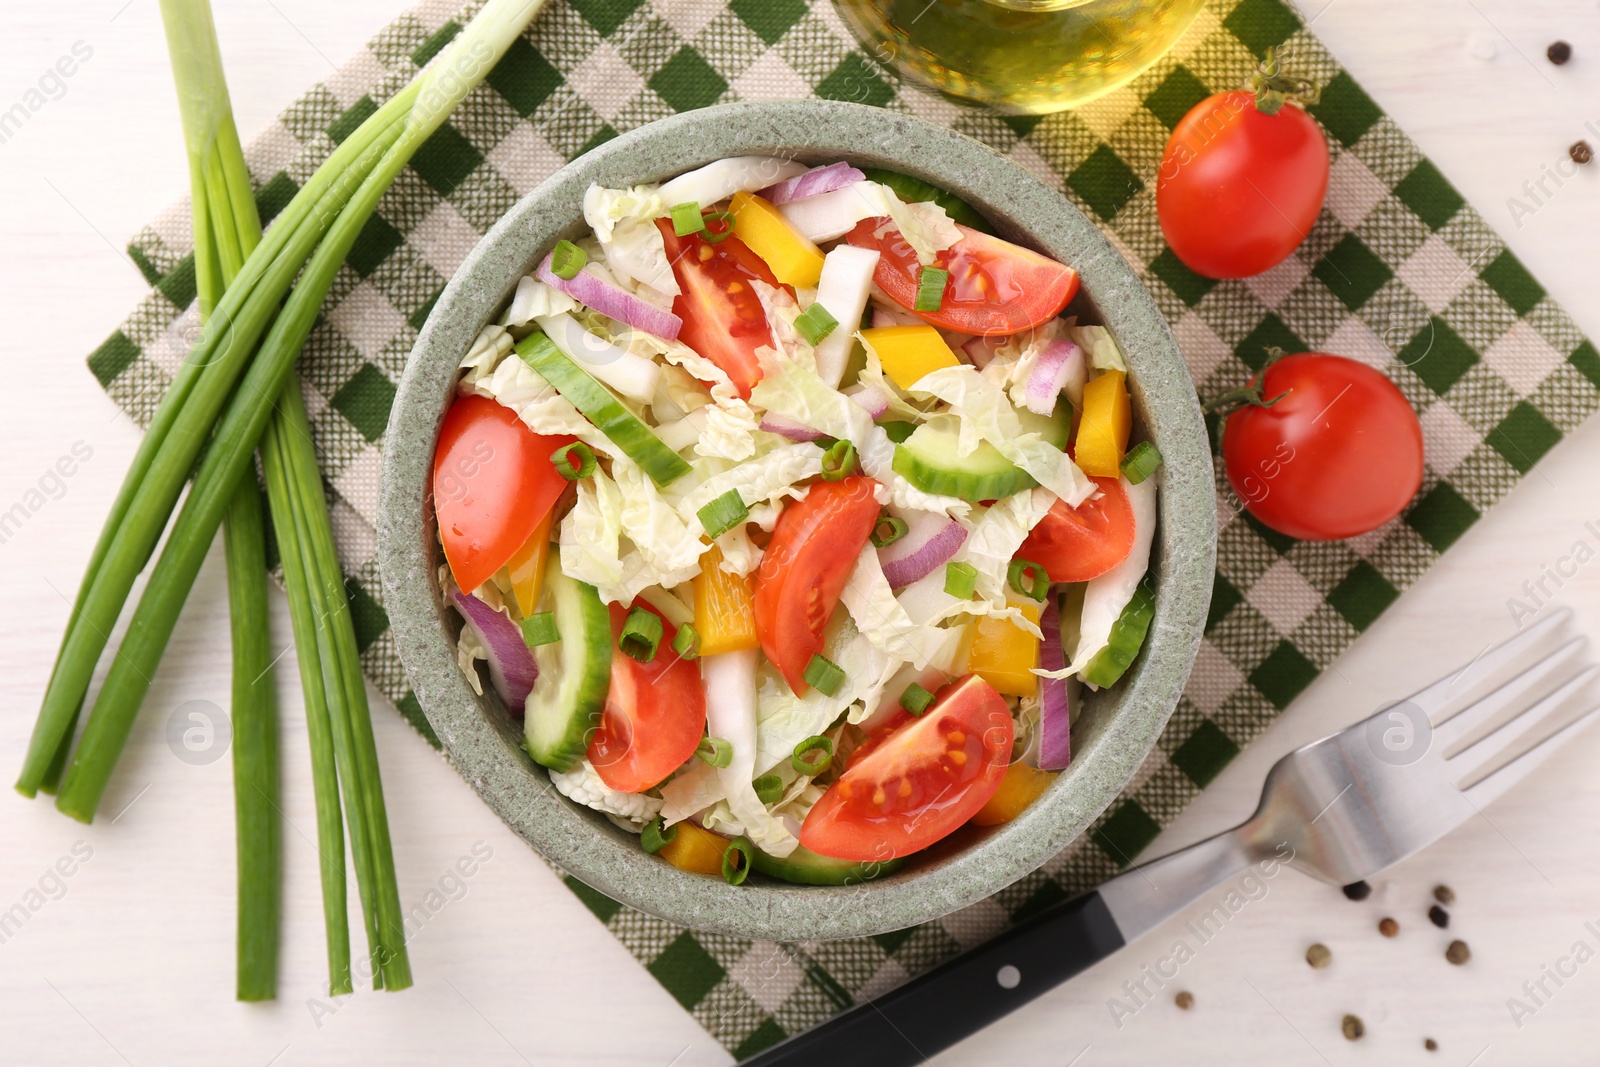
(1020, 56)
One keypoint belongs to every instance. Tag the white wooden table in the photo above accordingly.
(130, 958)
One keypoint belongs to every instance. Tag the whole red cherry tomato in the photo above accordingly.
(1333, 450)
(1240, 187)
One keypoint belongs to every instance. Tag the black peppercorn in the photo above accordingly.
(1439, 917)
(1558, 52)
(1358, 891)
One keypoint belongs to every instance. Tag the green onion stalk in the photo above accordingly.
(221, 401)
(227, 228)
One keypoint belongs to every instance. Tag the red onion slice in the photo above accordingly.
(511, 665)
(982, 349)
(1050, 372)
(930, 540)
(811, 183)
(587, 288)
(1055, 706)
(783, 427)
(872, 397)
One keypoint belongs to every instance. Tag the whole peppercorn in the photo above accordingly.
(1358, 891)
(1319, 956)
(1458, 953)
(1388, 927)
(1352, 1028)
(1558, 52)
(1430, 1044)
(1184, 1000)
(1580, 152)
(1439, 917)
(1444, 895)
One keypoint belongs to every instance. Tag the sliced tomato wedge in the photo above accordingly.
(654, 717)
(995, 287)
(722, 317)
(803, 570)
(1074, 544)
(492, 484)
(919, 782)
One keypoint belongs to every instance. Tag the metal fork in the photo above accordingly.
(1340, 809)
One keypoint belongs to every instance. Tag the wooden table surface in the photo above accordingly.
(129, 959)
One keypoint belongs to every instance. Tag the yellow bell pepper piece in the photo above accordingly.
(1004, 654)
(1103, 430)
(526, 568)
(909, 352)
(793, 258)
(724, 608)
(694, 849)
(1021, 786)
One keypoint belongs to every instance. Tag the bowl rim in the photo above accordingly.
(578, 841)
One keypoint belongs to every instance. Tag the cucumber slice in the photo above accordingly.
(912, 190)
(574, 672)
(805, 867)
(1127, 637)
(595, 401)
(929, 461)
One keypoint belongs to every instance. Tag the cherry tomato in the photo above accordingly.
(654, 717)
(1338, 455)
(995, 287)
(1074, 544)
(918, 783)
(492, 484)
(1239, 189)
(722, 317)
(805, 566)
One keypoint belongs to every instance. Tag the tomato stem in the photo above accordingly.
(1274, 88)
(1249, 394)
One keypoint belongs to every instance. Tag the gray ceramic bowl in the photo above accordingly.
(1117, 728)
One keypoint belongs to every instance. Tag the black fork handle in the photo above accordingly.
(960, 997)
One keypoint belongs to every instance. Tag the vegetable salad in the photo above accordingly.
(791, 514)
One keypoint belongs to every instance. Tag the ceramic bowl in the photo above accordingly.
(1117, 727)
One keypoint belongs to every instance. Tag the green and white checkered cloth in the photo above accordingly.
(1398, 272)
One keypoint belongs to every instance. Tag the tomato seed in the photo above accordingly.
(905, 787)
(879, 796)
(956, 737)
(958, 757)
(1558, 52)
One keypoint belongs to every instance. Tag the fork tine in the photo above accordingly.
(1475, 756)
(1438, 695)
(1490, 789)
(1457, 727)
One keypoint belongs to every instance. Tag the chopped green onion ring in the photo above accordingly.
(769, 787)
(736, 860)
(1028, 578)
(915, 699)
(686, 643)
(540, 629)
(824, 674)
(717, 751)
(716, 237)
(815, 323)
(724, 513)
(686, 218)
(567, 260)
(563, 460)
(839, 461)
(960, 580)
(809, 767)
(657, 835)
(1141, 462)
(930, 288)
(640, 635)
(890, 528)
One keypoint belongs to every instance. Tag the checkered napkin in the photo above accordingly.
(1398, 272)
